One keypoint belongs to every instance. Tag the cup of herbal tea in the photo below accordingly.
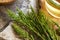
(53, 7)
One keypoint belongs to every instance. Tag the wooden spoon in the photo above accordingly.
(5, 2)
(58, 1)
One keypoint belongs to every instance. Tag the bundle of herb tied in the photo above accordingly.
(37, 25)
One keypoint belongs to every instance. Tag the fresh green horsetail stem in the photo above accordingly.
(38, 23)
(21, 32)
(44, 21)
(24, 21)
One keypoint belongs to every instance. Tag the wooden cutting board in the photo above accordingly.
(47, 14)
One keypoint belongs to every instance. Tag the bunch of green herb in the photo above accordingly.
(38, 23)
(22, 33)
